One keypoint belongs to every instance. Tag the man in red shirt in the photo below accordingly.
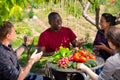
(51, 39)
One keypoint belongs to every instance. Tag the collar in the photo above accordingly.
(8, 48)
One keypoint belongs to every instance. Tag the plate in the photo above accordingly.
(99, 60)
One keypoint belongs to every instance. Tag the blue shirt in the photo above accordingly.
(100, 38)
(9, 65)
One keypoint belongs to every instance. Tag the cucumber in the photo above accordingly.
(74, 65)
(90, 63)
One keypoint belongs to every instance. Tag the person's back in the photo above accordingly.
(112, 67)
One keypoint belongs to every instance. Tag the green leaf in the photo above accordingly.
(16, 12)
(12, 1)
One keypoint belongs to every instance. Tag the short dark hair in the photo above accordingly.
(109, 18)
(113, 35)
(5, 28)
(52, 16)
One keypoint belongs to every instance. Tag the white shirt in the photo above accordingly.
(111, 68)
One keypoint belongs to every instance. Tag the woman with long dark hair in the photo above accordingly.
(111, 69)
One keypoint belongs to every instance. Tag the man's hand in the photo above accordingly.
(81, 41)
(36, 56)
(27, 40)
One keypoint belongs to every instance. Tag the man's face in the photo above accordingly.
(11, 35)
(55, 22)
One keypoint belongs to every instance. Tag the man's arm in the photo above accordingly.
(44, 51)
(25, 70)
(76, 43)
(27, 41)
(20, 50)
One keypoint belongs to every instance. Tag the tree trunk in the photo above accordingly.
(97, 18)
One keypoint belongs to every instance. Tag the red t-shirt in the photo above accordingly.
(53, 40)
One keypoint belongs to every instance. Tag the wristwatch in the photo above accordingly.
(24, 45)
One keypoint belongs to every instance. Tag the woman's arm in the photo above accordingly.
(109, 68)
(87, 70)
(102, 46)
(109, 50)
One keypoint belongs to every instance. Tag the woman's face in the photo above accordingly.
(104, 25)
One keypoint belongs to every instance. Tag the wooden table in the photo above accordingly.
(70, 71)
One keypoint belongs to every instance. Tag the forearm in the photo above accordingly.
(92, 75)
(87, 70)
(76, 43)
(110, 51)
(48, 54)
(20, 50)
(25, 70)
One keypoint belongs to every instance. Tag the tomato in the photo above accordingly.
(87, 57)
(82, 53)
(92, 57)
(76, 56)
(82, 59)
